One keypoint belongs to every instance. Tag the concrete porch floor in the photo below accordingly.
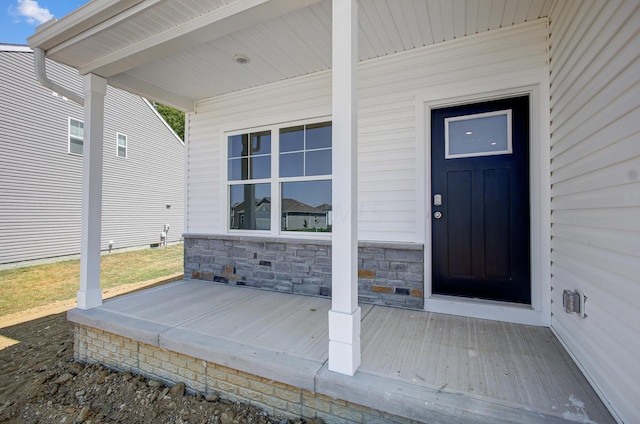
(423, 366)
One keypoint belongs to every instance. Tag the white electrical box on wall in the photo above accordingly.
(573, 301)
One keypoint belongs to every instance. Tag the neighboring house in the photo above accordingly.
(296, 216)
(41, 166)
(479, 159)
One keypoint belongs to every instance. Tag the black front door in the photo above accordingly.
(480, 200)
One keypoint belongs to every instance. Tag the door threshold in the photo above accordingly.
(516, 313)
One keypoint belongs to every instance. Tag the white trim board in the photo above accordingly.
(540, 311)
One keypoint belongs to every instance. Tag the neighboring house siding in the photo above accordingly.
(595, 100)
(390, 187)
(41, 184)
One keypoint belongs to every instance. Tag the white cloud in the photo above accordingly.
(30, 11)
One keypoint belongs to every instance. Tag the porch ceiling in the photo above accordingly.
(180, 52)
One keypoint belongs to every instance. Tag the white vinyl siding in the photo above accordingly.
(389, 191)
(595, 110)
(41, 183)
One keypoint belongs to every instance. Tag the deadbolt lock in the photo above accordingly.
(437, 215)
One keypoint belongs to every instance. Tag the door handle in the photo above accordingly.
(437, 215)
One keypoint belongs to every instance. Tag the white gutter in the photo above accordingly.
(41, 74)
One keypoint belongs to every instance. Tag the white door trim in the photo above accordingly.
(539, 313)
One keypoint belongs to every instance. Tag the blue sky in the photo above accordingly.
(19, 18)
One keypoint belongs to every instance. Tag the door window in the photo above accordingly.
(482, 134)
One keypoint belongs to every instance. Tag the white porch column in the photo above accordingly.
(90, 294)
(344, 316)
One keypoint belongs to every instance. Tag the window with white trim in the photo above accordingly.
(249, 176)
(76, 136)
(121, 145)
(289, 163)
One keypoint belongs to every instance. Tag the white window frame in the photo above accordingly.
(70, 136)
(275, 181)
(126, 145)
(229, 183)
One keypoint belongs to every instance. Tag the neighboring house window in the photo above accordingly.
(301, 180)
(76, 136)
(121, 146)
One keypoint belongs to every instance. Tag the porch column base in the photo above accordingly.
(344, 341)
(88, 299)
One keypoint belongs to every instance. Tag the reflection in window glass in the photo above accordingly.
(303, 177)
(238, 145)
(292, 165)
(482, 134)
(250, 206)
(305, 150)
(76, 136)
(306, 206)
(318, 162)
(122, 146)
(292, 139)
(249, 156)
(260, 167)
(319, 135)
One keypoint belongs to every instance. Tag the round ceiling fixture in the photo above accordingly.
(241, 59)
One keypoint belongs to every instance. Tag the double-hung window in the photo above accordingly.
(280, 177)
(76, 136)
(305, 178)
(121, 145)
(249, 176)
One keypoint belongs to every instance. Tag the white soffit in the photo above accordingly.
(161, 49)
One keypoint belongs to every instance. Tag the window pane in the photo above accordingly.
(292, 164)
(238, 169)
(261, 167)
(319, 135)
(76, 128)
(250, 206)
(261, 143)
(238, 145)
(75, 146)
(318, 162)
(121, 149)
(478, 135)
(306, 206)
(292, 139)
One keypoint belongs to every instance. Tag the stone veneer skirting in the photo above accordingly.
(278, 399)
(389, 274)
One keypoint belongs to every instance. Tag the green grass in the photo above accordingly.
(33, 286)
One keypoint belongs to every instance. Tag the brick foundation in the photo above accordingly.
(278, 399)
(389, 274)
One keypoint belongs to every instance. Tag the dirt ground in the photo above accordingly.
(41, 383)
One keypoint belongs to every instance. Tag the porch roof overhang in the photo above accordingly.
(178, 53)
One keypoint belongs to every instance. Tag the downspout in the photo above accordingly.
(41, 74)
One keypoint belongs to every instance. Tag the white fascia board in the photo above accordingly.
(225, 20)
(50, 34)
(15, 48)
